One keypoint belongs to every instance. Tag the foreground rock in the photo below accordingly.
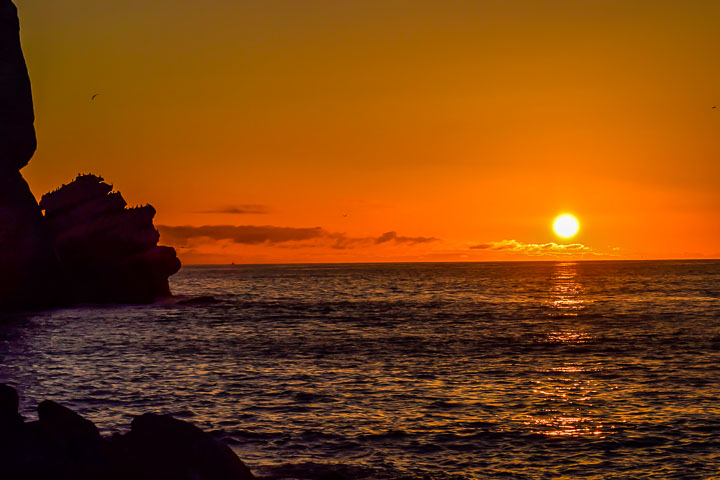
(163, 447)
(64, 445)
(106, 251)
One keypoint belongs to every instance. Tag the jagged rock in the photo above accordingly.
(83, 190)
(17, 131)
(107, 252)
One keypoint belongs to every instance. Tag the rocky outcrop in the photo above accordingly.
(64, 445)
(106, 251)
(26, 261)
(163, 447)
(89, 247)
(10, 419)
(17, 130)
(28, 267)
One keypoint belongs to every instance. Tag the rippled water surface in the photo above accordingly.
(499, 370)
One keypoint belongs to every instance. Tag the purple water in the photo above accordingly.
(605, 370)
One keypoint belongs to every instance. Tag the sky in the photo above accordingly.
(276, 131)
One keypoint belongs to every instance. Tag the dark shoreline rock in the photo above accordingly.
(64, 445)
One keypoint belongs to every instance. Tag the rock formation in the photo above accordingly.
(17, 130)
(26, 260)
(89, 247)
(64, 445)
(106, 251)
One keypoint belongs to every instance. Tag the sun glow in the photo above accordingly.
(566, 226)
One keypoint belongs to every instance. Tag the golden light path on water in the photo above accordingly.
(561, 384)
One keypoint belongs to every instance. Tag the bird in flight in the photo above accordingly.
(345, 214)
(93, 97)
(714, 107)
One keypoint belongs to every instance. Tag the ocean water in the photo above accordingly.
(603, 370)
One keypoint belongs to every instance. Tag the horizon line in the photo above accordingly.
(596, 260)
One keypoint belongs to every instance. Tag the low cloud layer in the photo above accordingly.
(182, 236)
(243, 234)
(536, 249)
(394, 237)
(249, 209)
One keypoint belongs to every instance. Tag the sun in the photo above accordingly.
(566, 225)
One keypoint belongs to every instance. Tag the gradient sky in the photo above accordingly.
(312, 131)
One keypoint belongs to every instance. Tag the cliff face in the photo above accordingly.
(28, 271)
(27, 267)
(106, 251)
(17, 131)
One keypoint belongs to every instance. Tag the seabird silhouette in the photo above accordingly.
(93, 97)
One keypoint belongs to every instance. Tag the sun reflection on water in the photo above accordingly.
(567, 291)
(563, 394)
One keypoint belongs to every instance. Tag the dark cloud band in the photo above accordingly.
(240, 210)
(272, 235)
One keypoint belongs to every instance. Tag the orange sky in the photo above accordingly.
(453, 124)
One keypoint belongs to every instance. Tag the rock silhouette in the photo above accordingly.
(89, 248)
(17, 130)
(164, 447)
(64, 445)
(106, 251)
(10, 419)
(26, 261)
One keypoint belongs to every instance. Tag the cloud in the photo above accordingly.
(249, 209)
(278, 236)
(342, 241)
(393, 237)
(536, 249)
(244, 234)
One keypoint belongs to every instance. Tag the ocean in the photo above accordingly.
(601, 370)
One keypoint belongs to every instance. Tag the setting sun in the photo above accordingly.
(328, 198)
(566, 226)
